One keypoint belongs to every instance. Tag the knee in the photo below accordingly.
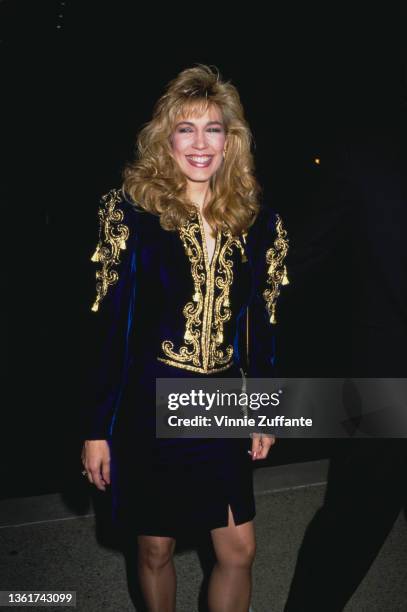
(248, 554)
(154, 555)
(238, 557)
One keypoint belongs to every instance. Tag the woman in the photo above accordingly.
(180, 258)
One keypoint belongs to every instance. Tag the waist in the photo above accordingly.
(167, 368)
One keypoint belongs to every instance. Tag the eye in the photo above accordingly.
(214, 129)
(185, 129)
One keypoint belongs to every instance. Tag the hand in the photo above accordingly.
(96, 461)
(261, 444)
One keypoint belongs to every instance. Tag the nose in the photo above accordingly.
(200, 140)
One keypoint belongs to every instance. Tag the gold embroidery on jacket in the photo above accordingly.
(206, 314)
(277, 271)
(112, 239)
(222, 311)
(192, 310)
(185, 366)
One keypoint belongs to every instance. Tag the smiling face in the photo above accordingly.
(198, 143)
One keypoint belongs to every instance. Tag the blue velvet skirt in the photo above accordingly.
(170, 487)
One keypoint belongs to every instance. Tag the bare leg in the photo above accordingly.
(230, 583)
(157, 572)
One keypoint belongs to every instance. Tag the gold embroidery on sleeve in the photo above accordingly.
(277, 271)
(112, 239)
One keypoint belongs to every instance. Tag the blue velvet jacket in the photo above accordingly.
(160, 301)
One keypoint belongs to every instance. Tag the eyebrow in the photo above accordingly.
(209, 123)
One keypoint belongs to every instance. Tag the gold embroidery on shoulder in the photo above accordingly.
(112, 239)
(277, 271)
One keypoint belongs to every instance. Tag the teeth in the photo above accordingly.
(200, 159)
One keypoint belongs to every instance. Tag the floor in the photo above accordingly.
(54, 542)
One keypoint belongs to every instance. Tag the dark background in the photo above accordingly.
(80, 78)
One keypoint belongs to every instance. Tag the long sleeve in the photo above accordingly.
(267, 248)
(112, 315)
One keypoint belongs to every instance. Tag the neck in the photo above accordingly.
(199, 194)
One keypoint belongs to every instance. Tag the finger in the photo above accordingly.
(262, 454)
(106, 471)
(256, 447)
(86, 468)
(261, 445)
(89, 475)
(97, 478)
(266, 443)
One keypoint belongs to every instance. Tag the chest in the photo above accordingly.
(192, 266)
(207, 238)
(200, 289)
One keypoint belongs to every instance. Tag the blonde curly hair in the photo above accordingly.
(154, 181)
